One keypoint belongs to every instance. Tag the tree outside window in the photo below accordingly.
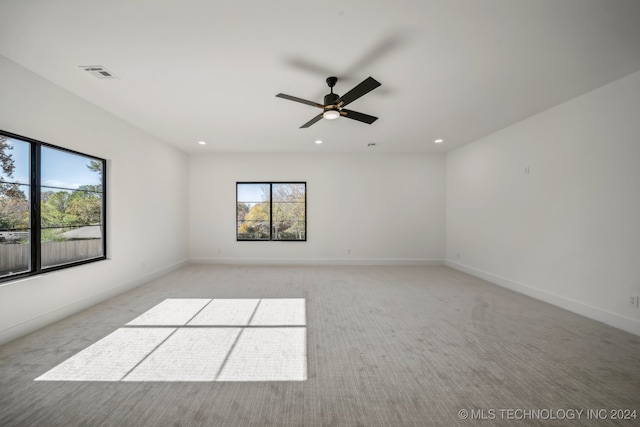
(271, 211)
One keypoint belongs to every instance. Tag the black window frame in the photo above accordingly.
(35, 221)
(270, 184)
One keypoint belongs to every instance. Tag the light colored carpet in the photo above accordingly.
(386, 346)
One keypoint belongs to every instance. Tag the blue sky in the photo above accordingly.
(252, 192)
(59, 168)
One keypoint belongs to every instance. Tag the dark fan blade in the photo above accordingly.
(312, 121)
(363, 88)
(358, 116)
(304, 101)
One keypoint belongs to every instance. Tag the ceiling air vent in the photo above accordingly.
(98, 71)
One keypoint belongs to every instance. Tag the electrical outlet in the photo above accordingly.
(633, 301)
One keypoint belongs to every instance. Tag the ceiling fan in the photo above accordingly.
(334, 103)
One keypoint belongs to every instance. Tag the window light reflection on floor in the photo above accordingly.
(170, 312)
(199, 340)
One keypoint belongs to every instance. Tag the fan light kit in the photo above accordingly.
(334, 103)
(331, 114)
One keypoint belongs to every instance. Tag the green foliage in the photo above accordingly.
(14, 206)
(14, 211)
(242, 210)
(95, 166)
(64, 210)
(255, 223)
(85, 205)
(6, 161)
(52, 235)
(7, 166)
(69, 209)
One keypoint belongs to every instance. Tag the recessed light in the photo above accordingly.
(202, 143)
(439, 141)
(318, 141)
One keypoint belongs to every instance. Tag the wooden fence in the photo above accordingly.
(15, 257)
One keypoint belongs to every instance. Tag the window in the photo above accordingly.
(52, 207)
(271, 211)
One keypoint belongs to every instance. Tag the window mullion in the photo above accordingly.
(271, 211)
(103, 212)
(35, 223)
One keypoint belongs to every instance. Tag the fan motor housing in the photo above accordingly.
(330, 98)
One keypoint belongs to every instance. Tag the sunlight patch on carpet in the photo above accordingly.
(199, 339)
(188, 355)
(231, 312)
(111, 358)
(170, 312)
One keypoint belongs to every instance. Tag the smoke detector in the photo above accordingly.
(98, 71)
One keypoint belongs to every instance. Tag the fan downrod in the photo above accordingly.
(331, 98)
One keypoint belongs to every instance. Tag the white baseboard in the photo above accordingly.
(612, 319)
(318, 261)
(38, 322)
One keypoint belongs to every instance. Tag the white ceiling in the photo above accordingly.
(191, 70)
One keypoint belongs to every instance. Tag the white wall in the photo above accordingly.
(146, 206)
(384, 208)
(568, 232)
